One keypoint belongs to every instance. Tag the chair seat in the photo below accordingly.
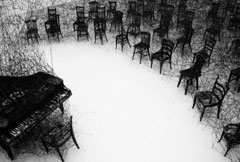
(205, 96)
(141, 45)
(190, 73)
(161, 56)
(32, 31)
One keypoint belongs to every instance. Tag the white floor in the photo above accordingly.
(126, 112)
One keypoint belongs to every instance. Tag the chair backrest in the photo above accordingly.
(80, 11)
(220, 90)
(112, 5)
(209, 45)
(31, 24)
(167, 47)
(101, 12)
(61, 135)
(132, 6)
(145, 37)
(93, 6)
(235, 46)
(52, 14)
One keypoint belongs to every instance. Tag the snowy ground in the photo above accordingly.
(127, 112)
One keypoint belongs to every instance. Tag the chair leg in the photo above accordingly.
(228, 148)
(221, 137)
(202, 113)
(45, 145)
(183, 45)
(161, 64)
(74, 140)
(179, 80)
(194, 101)
(197, 83)
(190, 47)
(186, 88)
(229, 78)
(151, 62)
(59, 153)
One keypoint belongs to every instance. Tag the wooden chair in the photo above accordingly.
(187, 20)
(132, 9)
(122, 38)
(142, 48)
(185, 39)
(234, 49)
(164, 54)
(52, 25)
(92, 13)
(207, 49)
(32, 30)
(234, 76)
(211, 98)
(100, 29)
(182, 8)
(112, 9)
(194, 72)
(215, 28)
(134, 27)
(148, 13)
(80, 12)
(162, 30)
(58, 136)
(117, 21)
(231, 135)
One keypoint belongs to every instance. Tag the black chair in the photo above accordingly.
(148, 13)
(187, 20)
(100, 29)
(134, 27)
(163, 27)
(92, 13)
(142, 48)
(32, 30)
(234, 76)
(207, 49)
(211, 98)
(185, 39)
(229, 8)
(234, 21)
(80, 12)
(213, 12)
(132, 9)
(112, 9)
(164, 54)
(58, 136)
(194, 72)
(215, 28)
(52, 25)
(122, 38)
(117, 21)
(181, 14)
(231, 135)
